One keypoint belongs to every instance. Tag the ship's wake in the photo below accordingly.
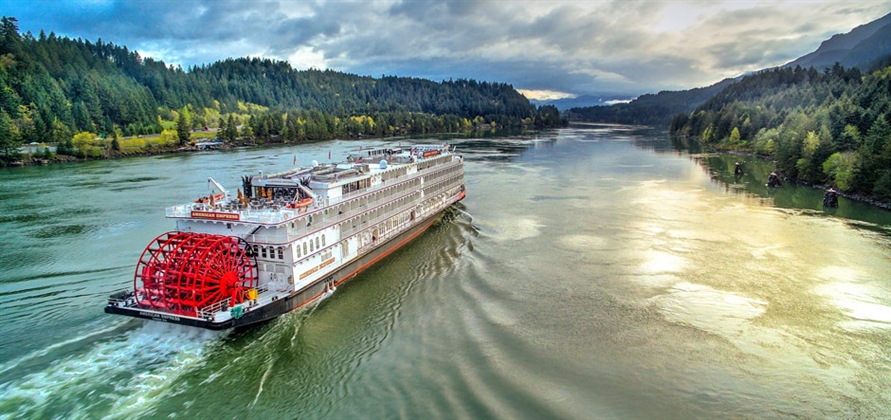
(123, 377)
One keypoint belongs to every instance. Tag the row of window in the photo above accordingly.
(365, 200)
(394, 222)
(383, 194)
(310, 246)
(435, 161)
(277, 252)
(442, 185)
(269, 252)
(394, 173)
(375, 213)
(442, 172)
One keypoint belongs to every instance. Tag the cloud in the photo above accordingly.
(545, 95)
(574, 47)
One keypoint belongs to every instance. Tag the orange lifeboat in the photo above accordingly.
(300, 204)
(210, 199)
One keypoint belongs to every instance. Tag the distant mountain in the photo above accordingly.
(864, 47)
(582, 101)
(649, 109)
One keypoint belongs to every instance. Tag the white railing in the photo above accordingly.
(265, 215)
(442, 202)
(272, 216)
(209, 312)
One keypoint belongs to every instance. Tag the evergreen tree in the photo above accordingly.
(52, 87)
(231, 129)
(182, 126)
(819, 127)
(9, 138)
(115, 144)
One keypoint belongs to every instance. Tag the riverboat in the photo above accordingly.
(289, 238)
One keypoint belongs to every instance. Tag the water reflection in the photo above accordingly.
(753, 183)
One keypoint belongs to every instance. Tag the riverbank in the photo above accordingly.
(252, 142)
(152, 151)
(851, 196)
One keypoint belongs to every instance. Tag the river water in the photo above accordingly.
(591, 272)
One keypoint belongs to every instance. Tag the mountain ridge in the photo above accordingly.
(859, 47)
(867, 45)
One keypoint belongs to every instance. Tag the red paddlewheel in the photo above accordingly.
(183, 272)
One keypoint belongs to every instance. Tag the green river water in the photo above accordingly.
(591, 272)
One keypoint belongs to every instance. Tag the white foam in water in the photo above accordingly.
(136, 371)
(43, 352)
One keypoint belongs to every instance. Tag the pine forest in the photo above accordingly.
(830, 127)
(95, 99)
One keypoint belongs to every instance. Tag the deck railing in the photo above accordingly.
(271, 215)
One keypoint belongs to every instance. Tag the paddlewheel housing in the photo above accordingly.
(183, 272)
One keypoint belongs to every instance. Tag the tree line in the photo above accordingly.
(53, 88)
(824, 127)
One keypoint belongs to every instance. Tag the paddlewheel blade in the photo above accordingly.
(183, 272)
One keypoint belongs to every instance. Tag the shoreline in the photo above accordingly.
(244, 142)
(156, 151)
(886, 205)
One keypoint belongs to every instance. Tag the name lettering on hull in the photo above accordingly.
(160, 317)
(214, 215)
(310, 272)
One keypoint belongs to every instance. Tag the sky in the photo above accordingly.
(544, 49)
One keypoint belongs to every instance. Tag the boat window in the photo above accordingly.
(263, 250)
(323, 239)
(304, 249)
(317, 242)
(311, 249)
(281, 253)
(298, 251)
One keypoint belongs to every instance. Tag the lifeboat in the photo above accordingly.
(300, 204)
(211, 198)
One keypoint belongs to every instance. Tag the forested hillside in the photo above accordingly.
(829, 127)
(656, 110)
(52, 88)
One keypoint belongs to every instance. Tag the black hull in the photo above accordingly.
(293, 301)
